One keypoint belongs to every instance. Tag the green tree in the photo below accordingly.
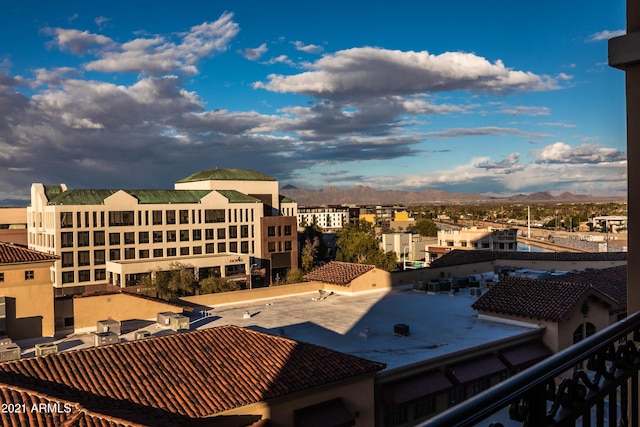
(294, 276)
(424, 227)
(212, 285)
(308, 256)
(357, 243)
(178, 282)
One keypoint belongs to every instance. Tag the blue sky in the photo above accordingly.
(484, 97)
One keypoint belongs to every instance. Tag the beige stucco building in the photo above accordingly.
(13, 225)
(26, 295)
(213, 220)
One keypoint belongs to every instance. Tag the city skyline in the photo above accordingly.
(457, 97)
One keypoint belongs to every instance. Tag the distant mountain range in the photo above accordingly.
(363, 195)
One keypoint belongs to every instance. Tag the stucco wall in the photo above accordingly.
(87, 311)
(357, 395)
(29, 302)
(257, 293)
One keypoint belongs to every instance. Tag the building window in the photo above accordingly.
(66, 240)
(480, 386)
(121, 218)
(171, 217)
(287, 246)
(29, 275)
(184, 216)
(67, 259)
(213, 215)
(222, 233)
(84, 258)
(271, 246)
(129, 238)
(197, 235)
(233, 232)
(100, 274)
(84, 275)
(171, 235)
(143, 253)
(114, 254)
(222, 248)
(98, 257)
(456, 395)
(157, 253)
(196, 250)
(244, 231)
(208, 248)
(114, 238)
(244, 247)
(157, 237)
(184, 251)
(143, 237)
(184, 235)
(287, 230)
(66, 220)
(67, 277)
(156, 217)
(424, 407)
(271, 231)
(1, 277)
(129, 253)
(394, 415)
(233, 247)
(208, 234)
(98, 238)
(83, 238)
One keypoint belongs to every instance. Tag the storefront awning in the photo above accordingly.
(523, 356)
(475, 369)
(414, 388)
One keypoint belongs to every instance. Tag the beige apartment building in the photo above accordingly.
(212, 220)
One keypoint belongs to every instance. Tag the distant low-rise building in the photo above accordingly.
(13, 225)
(328, 218)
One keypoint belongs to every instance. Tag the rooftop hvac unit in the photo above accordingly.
(5, 340)
(433, 287)
(165, 317)
(108, 325)
(47, 348)
(139, 335)
(419, 286)
(105, 338)
(9, 352)
(401, 330)
(179, 322)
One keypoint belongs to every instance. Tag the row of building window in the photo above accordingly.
(99, 255)
(272, 229)
(157, 217)
(28, 275)
(159, 236)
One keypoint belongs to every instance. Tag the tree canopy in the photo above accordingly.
(357, 243)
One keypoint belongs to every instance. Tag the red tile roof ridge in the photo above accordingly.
(339, 272)
(14, 254)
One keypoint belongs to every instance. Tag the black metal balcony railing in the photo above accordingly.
(590, 383)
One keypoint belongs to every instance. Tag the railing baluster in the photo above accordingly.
(634, 398)
(613, 406)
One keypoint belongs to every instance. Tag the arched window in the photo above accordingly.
(577, 334)
(590, 329)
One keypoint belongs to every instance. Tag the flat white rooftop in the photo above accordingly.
(361, 324)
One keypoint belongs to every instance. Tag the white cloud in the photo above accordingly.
(481, 131)
(309, 48)
(605, 35)
(101, 20)
(253, 54)
(507, 166)
(281, 59)
(76, 41)
(371, 71)
(526, 111)
(563, 153)
(158, 55)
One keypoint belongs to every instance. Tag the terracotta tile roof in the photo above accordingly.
(37, 409)
(542, 299)
(460, 257)
(610, 281)
(165, 380)
(339, 273)
(12, 254)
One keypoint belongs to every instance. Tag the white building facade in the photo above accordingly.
(115, 236)
(329, 218)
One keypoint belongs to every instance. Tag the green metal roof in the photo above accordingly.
(227, 175)
(237, 197)
(96, 197)
(285, 199)
(52, 191)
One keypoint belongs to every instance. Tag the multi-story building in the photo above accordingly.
(213, 220)
(13, 225)
(329, 218)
